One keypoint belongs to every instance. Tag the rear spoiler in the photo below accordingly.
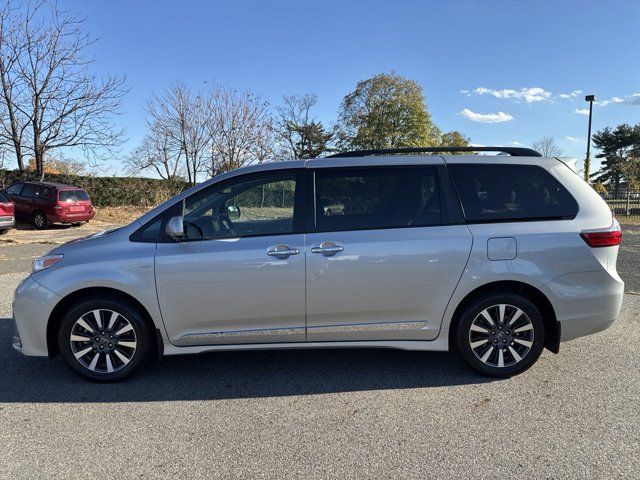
(570, 162)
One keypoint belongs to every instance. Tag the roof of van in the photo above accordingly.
(512, 151)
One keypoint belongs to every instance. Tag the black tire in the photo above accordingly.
(505, 335)
(106, 305)
(5, 231)
(39, 220)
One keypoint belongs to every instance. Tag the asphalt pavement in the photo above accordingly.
(327, 414)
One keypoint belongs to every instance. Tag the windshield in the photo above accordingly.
(73, 195)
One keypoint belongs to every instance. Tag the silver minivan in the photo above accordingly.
(496, 257)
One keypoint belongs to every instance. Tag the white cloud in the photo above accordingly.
(604, 103)
(466, 93)
(515, 143)
(581, 111)
(573, 94)
(633, 99)
(571, 139)
(486, 117)
(528, 94)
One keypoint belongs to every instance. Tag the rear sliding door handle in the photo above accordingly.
(327, 248)
(282, 251)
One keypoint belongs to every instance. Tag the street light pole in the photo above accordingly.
(587, 161)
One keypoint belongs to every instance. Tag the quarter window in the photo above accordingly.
(44, 194)
(492, 193)
(374, 198)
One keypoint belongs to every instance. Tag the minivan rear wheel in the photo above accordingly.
(500, 334)
(40, 220)
(103, 339)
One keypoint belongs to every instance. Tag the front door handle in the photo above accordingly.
(327, 248)
(282, 251)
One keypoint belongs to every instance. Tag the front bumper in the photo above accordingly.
(585, 303)
(32, 307)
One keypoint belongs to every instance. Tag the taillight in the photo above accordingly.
(603, 238)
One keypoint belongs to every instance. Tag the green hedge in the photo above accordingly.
(109, 191)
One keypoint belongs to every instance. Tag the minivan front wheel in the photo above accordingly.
(500, 334)
(103, 340)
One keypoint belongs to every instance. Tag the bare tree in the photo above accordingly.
(47, 83)
(13, 122)
(300, 134)
(157, 152)
(178, 125)
(239, 130)
(547, 147)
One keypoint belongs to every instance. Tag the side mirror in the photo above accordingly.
(175, 227)
(233, 211)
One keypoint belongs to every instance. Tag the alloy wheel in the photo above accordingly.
(501, 335)
(39, 220)
(103, 341)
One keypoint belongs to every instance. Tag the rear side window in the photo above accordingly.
(494, 193)
(4, 198)
(358, 199)
(29, 190)
(72, 195)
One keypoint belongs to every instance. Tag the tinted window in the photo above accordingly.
(511, 192)
(73, 196)
(4, 198)
(44, 193)
(355, 199)
(14, 189)
(258, 205)
(29, 190)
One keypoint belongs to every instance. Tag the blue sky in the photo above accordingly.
(502, 72)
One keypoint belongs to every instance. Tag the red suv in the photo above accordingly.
(45, 203)
(6, 214)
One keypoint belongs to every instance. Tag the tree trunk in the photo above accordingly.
(39, 159)
(19, 159)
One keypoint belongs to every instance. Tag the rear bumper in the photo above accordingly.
(71, 217)
(585, 303)
(7, 222)
(32, 306)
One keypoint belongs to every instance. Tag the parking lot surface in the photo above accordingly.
(327, 414)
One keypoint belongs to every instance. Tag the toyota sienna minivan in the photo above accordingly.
(495, 257)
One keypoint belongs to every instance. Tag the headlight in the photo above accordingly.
(45, 262)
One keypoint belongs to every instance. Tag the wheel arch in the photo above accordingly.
(53, 323)
(551, 324)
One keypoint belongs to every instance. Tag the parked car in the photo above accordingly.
(495, 257)
(45, 203)
(7, 219)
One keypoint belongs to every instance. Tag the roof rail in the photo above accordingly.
(513, 151)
